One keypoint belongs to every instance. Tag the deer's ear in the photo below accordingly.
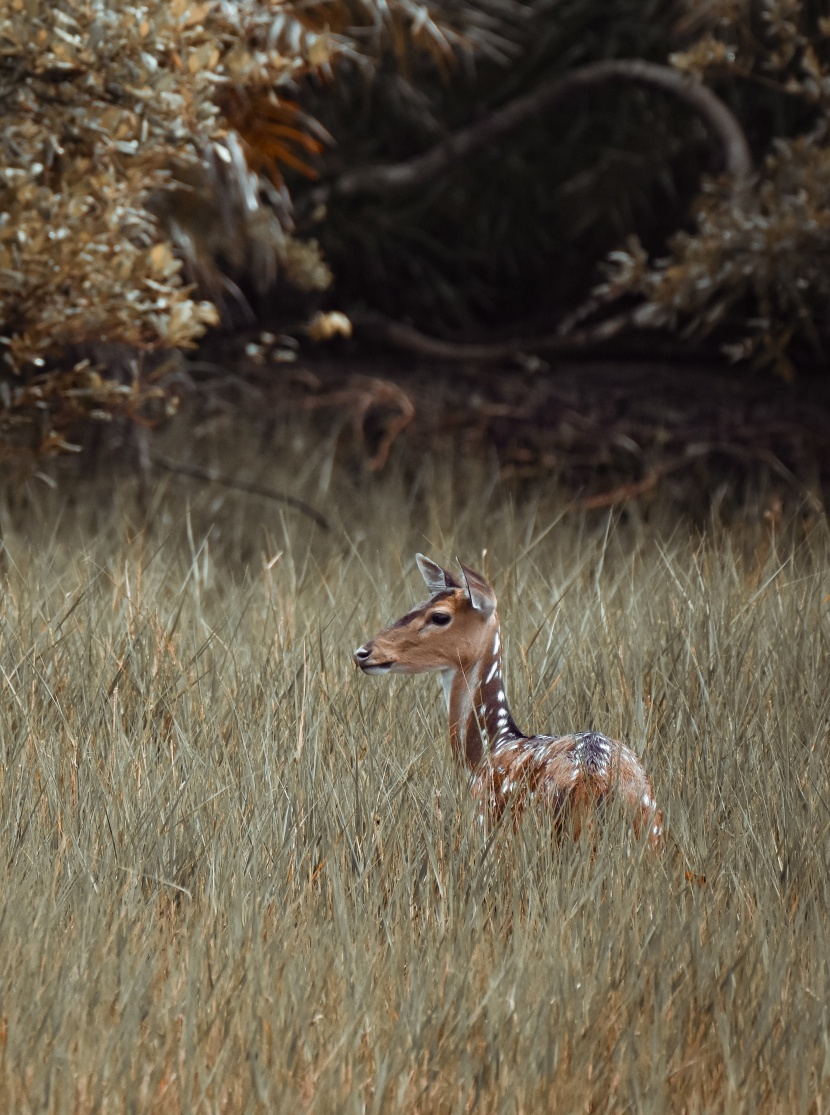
(437, 579)
(479, 592)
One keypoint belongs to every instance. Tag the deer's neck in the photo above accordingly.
(480, 719)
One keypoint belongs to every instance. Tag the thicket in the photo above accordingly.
(155, 167)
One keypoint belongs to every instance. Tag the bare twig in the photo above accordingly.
(424, 168)
(363, 394)
(624, 492)
(213, 477)
(406, 337)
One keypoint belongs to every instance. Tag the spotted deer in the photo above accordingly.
(456, 634)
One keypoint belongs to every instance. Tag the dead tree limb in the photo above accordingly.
(212, 477)
(403, 336)
(720, 120)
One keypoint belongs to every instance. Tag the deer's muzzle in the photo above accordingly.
(366, 659)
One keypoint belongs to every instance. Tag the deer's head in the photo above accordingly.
(452, 630)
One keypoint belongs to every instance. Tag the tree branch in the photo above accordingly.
(213, 477)
(720, 120)
(403, 336)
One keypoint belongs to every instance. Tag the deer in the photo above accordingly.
(456, 633)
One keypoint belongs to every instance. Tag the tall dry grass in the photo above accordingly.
(237, 876)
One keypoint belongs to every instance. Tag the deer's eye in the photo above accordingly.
(440, 618)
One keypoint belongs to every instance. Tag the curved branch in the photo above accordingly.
(720, 120)
(403, 336)
(213, 477)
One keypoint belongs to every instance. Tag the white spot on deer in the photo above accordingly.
(493, 671)
(447, 677)
(500, 696)
(647, 802)
(496, 643)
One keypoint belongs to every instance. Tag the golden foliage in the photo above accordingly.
(140, 137)
(276, 132)
(761, 249)
(92, 122)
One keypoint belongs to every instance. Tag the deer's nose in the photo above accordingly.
(362, 653)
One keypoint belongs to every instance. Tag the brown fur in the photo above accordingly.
(570, 775)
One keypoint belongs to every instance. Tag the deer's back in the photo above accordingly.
(569, 774)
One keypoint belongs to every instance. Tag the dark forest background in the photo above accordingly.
(493, 196)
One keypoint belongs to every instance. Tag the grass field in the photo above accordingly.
(237, 876)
